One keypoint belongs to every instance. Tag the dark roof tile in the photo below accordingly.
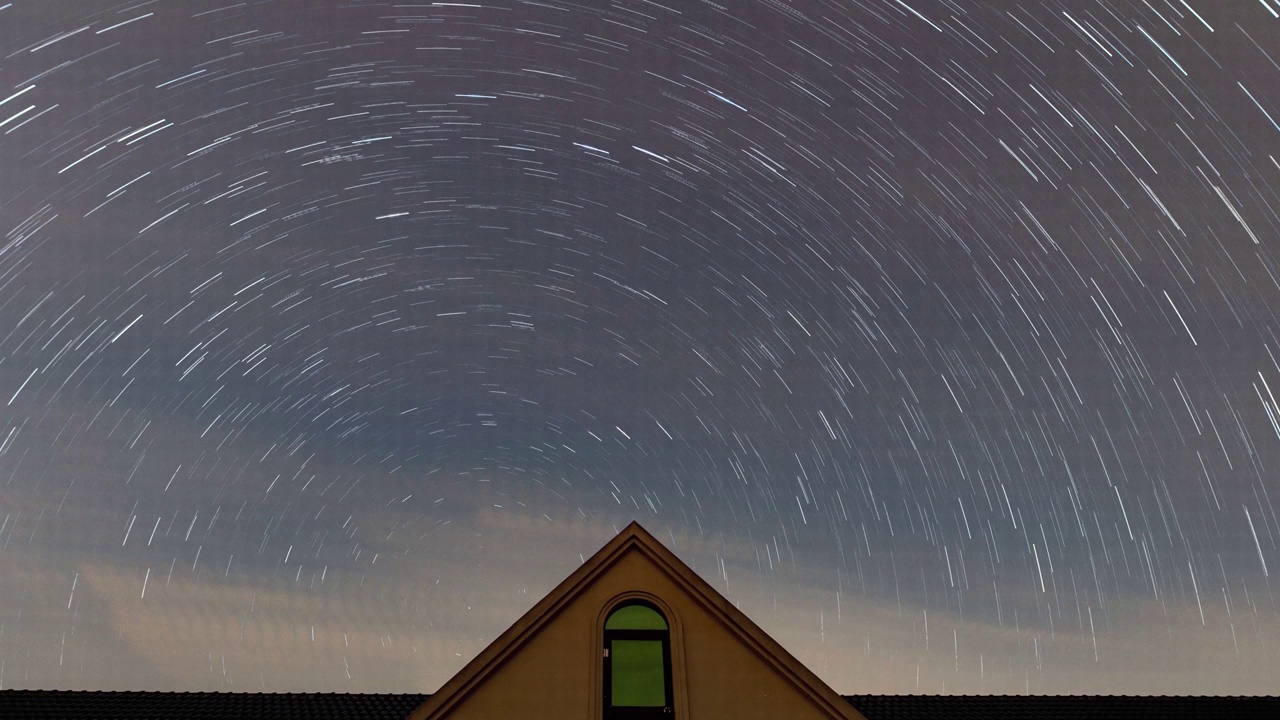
(1055, 707)
(64, 704)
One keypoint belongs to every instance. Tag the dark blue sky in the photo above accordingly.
(939, 336)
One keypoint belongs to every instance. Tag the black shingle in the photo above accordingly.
(64, 704)
(61, 705)
(1053, 707)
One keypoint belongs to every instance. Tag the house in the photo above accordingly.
(632, 634)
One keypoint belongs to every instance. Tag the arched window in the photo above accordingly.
(637, 663)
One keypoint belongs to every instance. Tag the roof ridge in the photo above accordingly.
(1053, 695)
(207, 692)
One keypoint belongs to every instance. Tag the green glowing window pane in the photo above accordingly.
(635, 617)
(638, 677)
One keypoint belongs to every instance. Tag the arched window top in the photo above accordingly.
(635, 616)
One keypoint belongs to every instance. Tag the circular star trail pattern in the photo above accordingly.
(962, 312)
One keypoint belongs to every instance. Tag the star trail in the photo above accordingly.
(939, 336)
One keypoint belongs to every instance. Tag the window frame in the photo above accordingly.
(672, 650)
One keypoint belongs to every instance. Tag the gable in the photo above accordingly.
(548, 664)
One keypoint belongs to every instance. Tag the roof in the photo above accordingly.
(61, 704)
(633, 538)
(1062, 707)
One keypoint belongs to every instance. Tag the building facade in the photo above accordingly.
(634, 634)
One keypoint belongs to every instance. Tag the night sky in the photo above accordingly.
(939, 336)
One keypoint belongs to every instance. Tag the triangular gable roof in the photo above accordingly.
(633, 538)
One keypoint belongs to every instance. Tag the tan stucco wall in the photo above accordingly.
(556, 674)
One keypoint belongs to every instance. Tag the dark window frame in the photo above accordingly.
(667, 711)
